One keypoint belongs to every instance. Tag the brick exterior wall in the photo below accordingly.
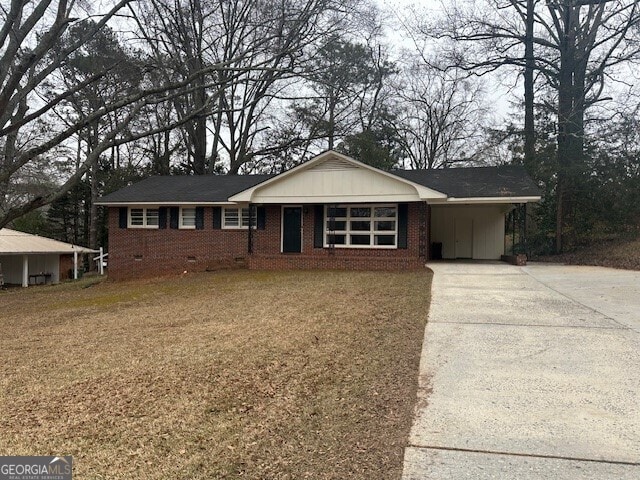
(268, 244)
(137, 253)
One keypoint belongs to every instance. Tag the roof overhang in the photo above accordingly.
(161, 204)
(335, 178)
(487, 200)
(13, 242)
(49, 252)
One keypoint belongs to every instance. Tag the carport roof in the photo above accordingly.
(475, 182)
(13, 242)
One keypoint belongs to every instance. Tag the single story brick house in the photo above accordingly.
(331, 212)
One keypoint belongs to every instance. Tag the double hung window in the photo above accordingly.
(188, 217)
(143, 217)
(234, 217)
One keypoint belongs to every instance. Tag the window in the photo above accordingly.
(234, 217)
(143, 217)
(188, 217)
(361, 226)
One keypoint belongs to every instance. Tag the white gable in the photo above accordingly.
(335, 178)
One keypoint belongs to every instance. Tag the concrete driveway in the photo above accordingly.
(529, 373)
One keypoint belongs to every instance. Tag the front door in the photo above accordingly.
(464, 237)
(292, 229)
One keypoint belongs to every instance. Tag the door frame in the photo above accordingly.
(455, 237)
(282, 207)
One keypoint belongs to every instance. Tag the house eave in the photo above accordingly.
(335, 199)
(162, 204)
(491, 200)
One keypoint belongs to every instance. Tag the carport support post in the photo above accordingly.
(250, 231)
(513, 231)
(75, 264)
(524, 228)
(25, 270)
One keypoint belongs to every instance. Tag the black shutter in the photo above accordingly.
(217, 217)
(403, 219)
(261, 217)
(173, 217)
(122, 217)
(199, 218)
(162, 217)
(318, 226)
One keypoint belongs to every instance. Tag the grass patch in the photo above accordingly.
(265, 375)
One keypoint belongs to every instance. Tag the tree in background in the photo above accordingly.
(34, 98)
(262, 46)
(578, 46)
(122, 76)
(442, 120)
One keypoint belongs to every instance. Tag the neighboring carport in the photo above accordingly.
(25, 258)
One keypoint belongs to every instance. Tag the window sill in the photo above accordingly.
(363, 247)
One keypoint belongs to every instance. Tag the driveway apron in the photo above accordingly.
(527, 373)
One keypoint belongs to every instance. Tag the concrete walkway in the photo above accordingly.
(529, 373)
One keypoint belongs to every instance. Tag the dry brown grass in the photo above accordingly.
(614, 253)
(240, 374)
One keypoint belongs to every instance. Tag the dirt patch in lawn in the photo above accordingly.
(258, 375)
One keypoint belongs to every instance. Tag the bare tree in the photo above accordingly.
(578, 46)
(263, 45)
(36, 121)
(442, 117)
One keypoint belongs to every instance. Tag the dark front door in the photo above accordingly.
(292, 229)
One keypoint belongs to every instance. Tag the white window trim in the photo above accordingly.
(181, 225)
(240, 208)
(144, 217)
(372, 233)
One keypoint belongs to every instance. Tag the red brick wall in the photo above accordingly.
(148, 252)
(138, 252)
(268, 244)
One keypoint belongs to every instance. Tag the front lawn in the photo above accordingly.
(238, 374)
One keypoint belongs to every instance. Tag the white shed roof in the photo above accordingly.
(13, 242)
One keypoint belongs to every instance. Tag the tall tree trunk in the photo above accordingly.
(331, 130)
(199, 139)
(529, 127)
(566, 127)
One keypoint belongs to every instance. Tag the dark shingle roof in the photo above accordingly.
(504, 181)
(178, 189)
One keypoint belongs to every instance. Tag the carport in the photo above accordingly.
(28, 259)
(477, 230)
(471, 220)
